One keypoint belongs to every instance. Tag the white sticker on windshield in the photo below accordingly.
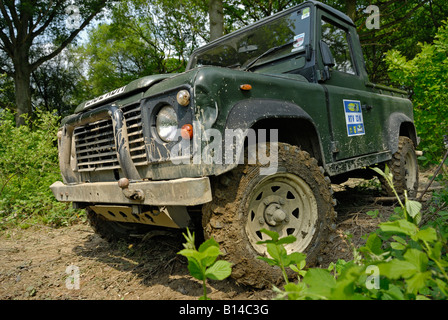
(299, 40)
(306, 13)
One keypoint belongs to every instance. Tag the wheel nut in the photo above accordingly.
(261, 221)
(274, 214)
(279, 215)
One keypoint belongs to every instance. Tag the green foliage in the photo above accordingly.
(427, 77)
(6, 92)
(275, 247)
(438, 209)
(141, 39)
(115, 58)
(401, 260)
(202, 262)
(28, 166)
(410, 210)
(403, 24)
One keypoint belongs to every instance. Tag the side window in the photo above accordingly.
(337, 40)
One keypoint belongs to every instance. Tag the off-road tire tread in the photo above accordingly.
(396, 167)
(221, 218)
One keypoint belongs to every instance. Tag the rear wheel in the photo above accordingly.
(404, 168)
(296, 200)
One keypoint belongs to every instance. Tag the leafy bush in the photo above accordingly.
(28, 166)
(427, 77)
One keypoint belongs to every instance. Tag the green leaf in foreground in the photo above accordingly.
(220, 270)
(202, 263)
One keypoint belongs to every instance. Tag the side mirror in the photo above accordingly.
(327, 59)
(327, 56)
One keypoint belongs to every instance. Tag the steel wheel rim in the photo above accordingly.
(284, 203)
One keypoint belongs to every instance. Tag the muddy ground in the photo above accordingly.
(33, 262)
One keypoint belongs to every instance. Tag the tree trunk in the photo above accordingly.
(216, 15)
(22, 81)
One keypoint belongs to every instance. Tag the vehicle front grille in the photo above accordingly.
(95, 143)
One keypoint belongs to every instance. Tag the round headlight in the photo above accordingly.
(167, 124)
(183, 98)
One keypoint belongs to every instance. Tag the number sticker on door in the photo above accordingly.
(353, 118)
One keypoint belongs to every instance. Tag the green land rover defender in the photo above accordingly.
(249, 137)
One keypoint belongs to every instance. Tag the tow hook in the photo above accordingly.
(138, 195)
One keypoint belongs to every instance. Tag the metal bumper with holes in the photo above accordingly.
(181, 192)
(158, 203)
(111, 138)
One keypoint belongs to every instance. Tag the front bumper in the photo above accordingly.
(180, 192)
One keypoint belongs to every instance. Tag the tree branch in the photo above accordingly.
(45, 25)
(47, 22)
(41, 16)
(10, 26)
(395, 21)
(5, 14)
(14, 15)
(67, 41)
(7, 45)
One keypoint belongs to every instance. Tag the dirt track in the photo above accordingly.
(33, 262)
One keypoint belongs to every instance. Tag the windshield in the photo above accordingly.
(288, 35)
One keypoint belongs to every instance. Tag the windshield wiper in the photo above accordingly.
(250, 65)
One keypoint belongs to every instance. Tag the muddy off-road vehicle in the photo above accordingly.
(249, 137)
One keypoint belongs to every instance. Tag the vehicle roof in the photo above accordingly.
(318, 4)
(332, 10)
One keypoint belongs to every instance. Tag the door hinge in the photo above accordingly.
(334, 146)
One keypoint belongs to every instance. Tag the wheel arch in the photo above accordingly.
(275, 114)
(400, 125)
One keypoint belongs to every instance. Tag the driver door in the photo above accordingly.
(355, 121)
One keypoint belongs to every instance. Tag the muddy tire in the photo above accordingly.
(113, 231)
(296, 200)
(404, 168)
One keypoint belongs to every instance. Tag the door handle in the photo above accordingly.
(367, 107)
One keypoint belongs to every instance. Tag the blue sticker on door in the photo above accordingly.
(353, 118)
